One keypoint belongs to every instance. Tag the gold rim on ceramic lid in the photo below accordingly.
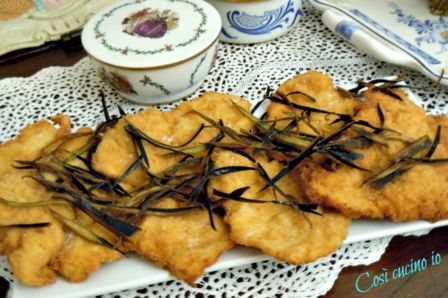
(151, 34)
(158, 67)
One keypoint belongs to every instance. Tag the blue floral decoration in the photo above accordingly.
(429, 31)
(227, 34)
(346, 29)
(269, 21)
(395, 37)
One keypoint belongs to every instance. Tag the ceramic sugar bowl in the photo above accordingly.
(153, 51)
(254, 21)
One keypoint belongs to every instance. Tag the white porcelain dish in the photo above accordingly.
(256, 21)
(135, 272)
(153, 51)
(402, 32)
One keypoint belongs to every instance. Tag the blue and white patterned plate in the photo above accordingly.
(402, 32)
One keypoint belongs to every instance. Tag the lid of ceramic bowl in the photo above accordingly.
(151, 33)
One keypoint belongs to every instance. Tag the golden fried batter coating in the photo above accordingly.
(283, 232)
(419, 193)
(29, 250)
(14, 186)
(320, 87)
(79, 258)
(117, 152)
(35, 248)
(31, 140)
(36, 253)
(185, 244)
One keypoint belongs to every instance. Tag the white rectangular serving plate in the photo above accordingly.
(135, 272)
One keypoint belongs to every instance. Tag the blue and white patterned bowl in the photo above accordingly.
(256, 21)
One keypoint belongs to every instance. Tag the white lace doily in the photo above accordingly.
(243, 70)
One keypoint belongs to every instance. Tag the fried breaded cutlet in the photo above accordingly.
(117, 151)
(79, 258)
(36, 253)
(316, 91)
(287, 234)
(185, 244)
(29, 251)
(206, 175)
(419, 192)
(31, 140)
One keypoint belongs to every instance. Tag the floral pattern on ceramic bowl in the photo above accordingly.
(155, 86)
(153, 51)
(256, 21)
